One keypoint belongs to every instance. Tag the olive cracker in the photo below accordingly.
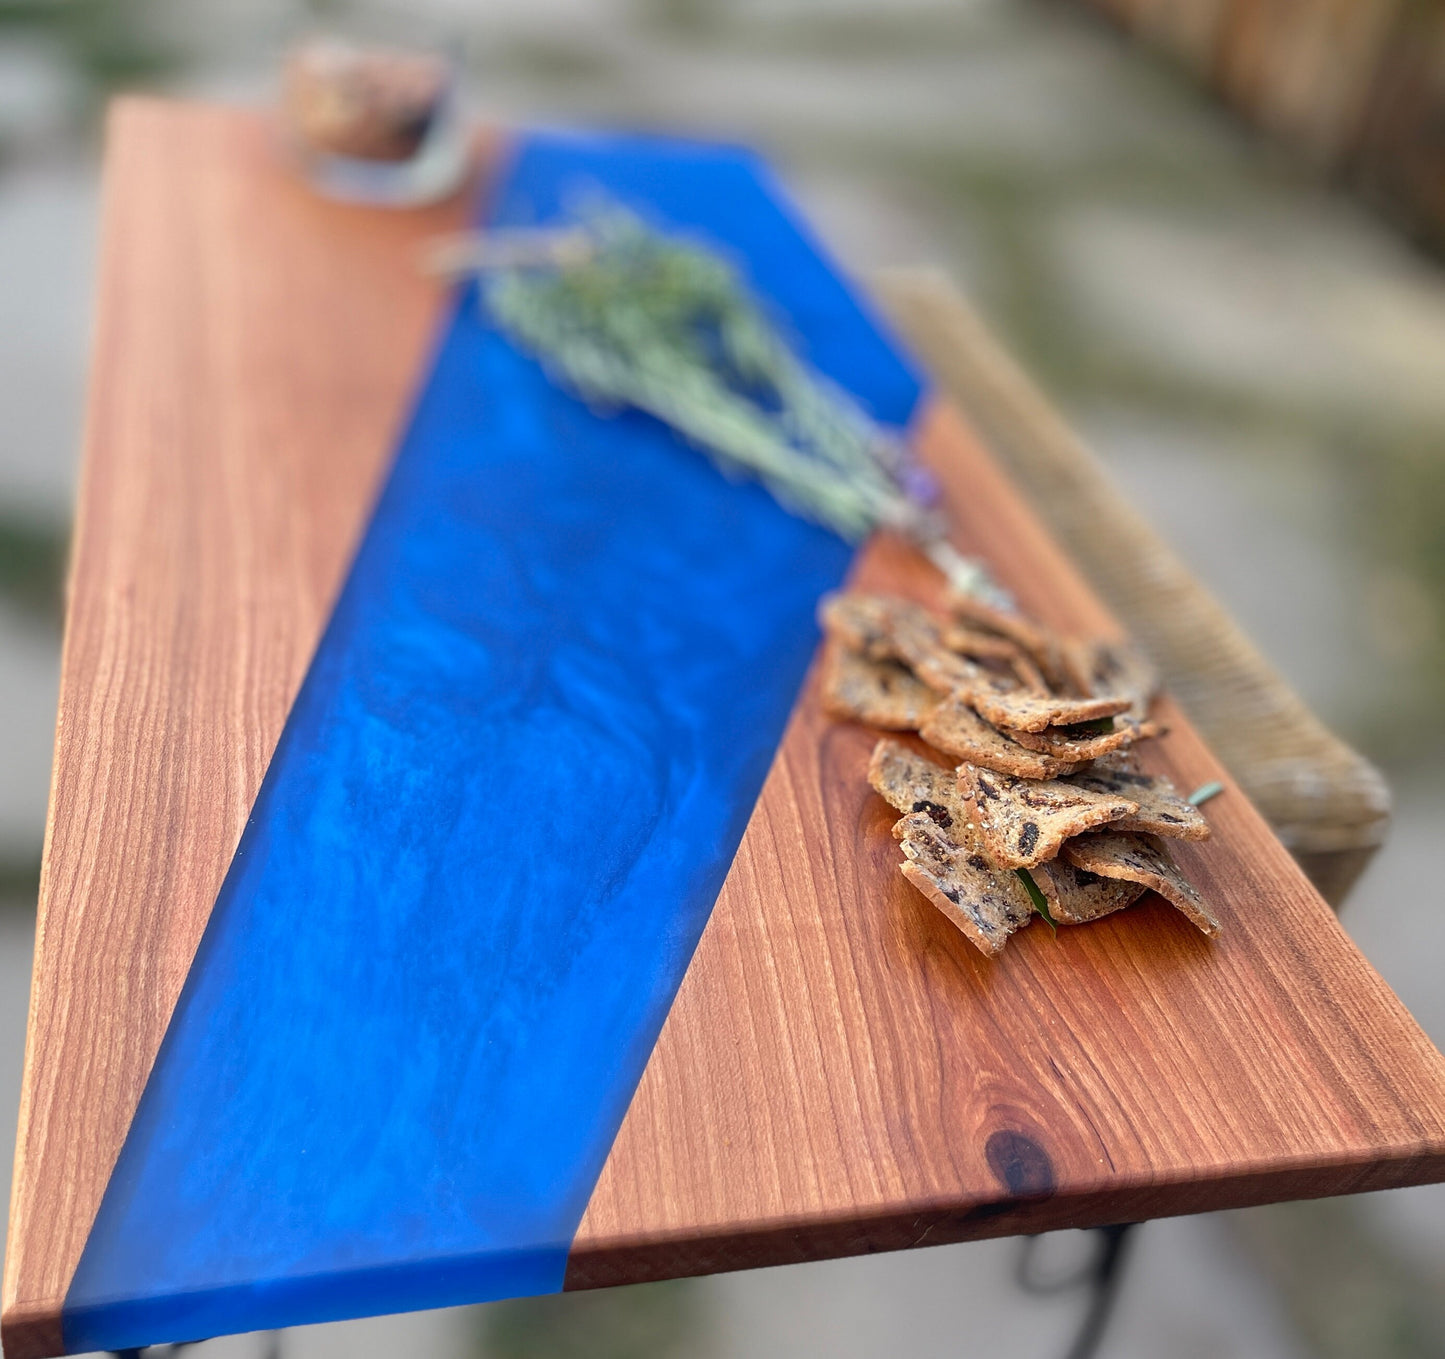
(885, 628)
(1025, 821)
(1080, 744)
(946, 859)
(1076, 897)
(954, 728)
(1142, 859)
(882, 694)
(1161, 810)
(1028, 710)
(949, 867)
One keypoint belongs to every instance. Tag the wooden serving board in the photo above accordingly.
(840, 1072)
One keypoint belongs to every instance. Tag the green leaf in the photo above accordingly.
(1100, 726)
(1041, 903)
(1205, 791)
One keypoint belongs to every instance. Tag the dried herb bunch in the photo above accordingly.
(629, 316)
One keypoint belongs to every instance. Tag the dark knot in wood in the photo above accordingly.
(1020, 1164)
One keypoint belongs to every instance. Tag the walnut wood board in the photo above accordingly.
(840, 1071)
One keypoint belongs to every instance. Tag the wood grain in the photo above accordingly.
(840, 1071)
(254, 354)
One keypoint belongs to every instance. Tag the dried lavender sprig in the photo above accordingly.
(627, 316)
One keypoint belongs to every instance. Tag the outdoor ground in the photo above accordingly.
(1260, 361)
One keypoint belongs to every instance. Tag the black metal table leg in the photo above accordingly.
(1101, 1277)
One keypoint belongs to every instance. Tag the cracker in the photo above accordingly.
(978, 645)
(859, 623)
(946, 859)
(957, 730)
(1142, 859)
(949, 867)
(1063, 744)
(911, 782)
(1076, 897)
(994, 652)
(1119, 669)
(880, 693)
(1042, 644)
(1024, 822)
(1028, 673)
(1161, 810)
(885, 628)
(1027, 710)
(1124, 761)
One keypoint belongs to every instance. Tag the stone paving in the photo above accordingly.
(1260, 362)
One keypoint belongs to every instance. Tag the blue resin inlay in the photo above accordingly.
(493, 828)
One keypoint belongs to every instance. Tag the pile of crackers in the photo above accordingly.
(1044, 809)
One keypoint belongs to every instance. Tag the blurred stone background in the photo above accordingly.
(1258, 357)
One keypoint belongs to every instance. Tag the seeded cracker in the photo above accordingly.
(862, 623)
(887, 629)
(1161, 810)
(1041, 643)
(910, 782)
(957, 730)
(1029, 675)
(1066, 745)
(1076, 897)
(1142, 859)
(879, 693)
(993, 652)
(1024, 821)
(977, 645)
(1026, 710)
(1119, 669)
(985, 903)
(945, 857)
